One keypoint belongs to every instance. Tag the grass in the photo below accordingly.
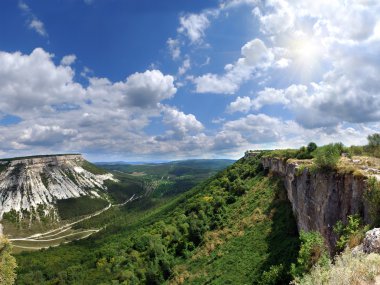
(94, 169)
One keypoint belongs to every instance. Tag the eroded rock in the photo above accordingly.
(319, 200)
(371, 242)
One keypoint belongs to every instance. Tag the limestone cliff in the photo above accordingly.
(29, 182)
(319, 200)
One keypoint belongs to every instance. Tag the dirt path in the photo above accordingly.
(62, 237)
(47, 236)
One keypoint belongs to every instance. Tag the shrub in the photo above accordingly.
(312, 252)
(350, 235)
(374, 140)
(347, 269)
(273, 276)
(327, 157)
(303, 153)
(7, 263)
(356, 150)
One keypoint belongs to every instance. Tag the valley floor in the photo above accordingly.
(61, 235)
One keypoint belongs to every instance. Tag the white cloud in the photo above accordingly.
(174, 48)
(181, 124)
(331, 46)
(60, 115)
(268, 96)
(38, 26)
(241, 104)
(255, 55)
(31, 82)
(257, 128)
(146, 89)
(278, 21)
(68, 59)
(186, 65)
(193, 26)
(46, 135)
(33, 22)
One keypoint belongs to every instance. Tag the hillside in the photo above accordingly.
(237, 226)
(169, 178)
(39, 192)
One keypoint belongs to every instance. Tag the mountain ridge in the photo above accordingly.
(31, 186)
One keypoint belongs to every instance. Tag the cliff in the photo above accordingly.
(27, 183)
(319, 200)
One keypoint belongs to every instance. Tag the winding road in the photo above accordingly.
(48, 235)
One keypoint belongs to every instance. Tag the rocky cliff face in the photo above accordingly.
(27, 183)
(319, 200)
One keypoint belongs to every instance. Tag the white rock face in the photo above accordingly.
(371, 242)
(27, 183)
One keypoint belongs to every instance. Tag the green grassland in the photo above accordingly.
(234, 228)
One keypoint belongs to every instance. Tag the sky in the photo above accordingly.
(175, 79)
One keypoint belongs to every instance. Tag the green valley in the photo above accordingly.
(237, 227)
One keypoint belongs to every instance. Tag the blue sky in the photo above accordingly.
(175, 79)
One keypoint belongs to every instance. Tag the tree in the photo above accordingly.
(374, 140)
(311, 147)
(7, 263)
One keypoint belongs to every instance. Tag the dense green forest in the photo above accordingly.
(237, 227)
(162, 179)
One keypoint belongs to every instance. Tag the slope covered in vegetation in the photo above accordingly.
(236, 227)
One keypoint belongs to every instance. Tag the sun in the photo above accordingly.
(306, 54)
(306, 50)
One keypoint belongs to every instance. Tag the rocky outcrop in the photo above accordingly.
(29, 182)
(371, 242)
(318, 199)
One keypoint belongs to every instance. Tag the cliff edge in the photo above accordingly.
(319, 200)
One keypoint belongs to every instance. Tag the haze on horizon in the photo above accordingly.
(173, 79)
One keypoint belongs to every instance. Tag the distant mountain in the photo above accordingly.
(179, 167)
(185, 161)
(31, 188)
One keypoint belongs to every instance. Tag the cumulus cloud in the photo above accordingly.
(180, 124)
(193, 26)
(46, 135)
(146, 89)
(268, 96)
(241, 104)
(332, 48)
(255, 55)
(60, 115)
(31, 82)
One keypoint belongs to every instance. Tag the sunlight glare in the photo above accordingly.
(306, 54)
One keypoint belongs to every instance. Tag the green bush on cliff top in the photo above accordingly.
(327, 157)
